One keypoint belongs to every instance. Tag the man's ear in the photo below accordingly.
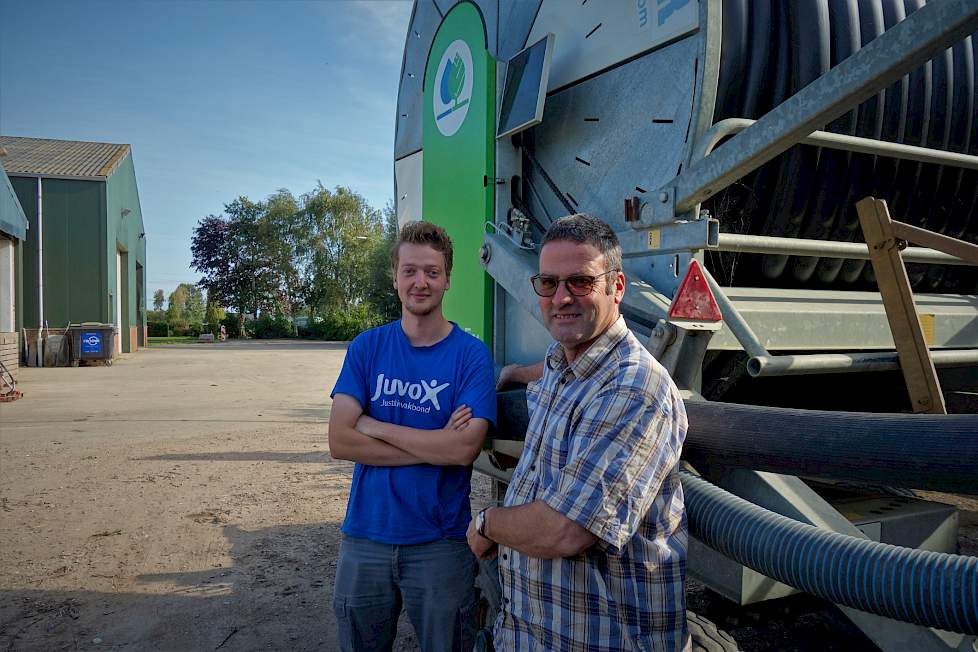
(619, 287)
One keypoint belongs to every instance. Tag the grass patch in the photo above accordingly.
(156, 341)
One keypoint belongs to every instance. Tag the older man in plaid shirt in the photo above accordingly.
(591, 539)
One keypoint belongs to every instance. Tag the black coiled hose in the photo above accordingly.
(771, 50)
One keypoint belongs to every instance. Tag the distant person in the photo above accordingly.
(592, 533)
(411, 407)
(224, 333)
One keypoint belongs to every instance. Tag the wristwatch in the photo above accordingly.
(480, 522)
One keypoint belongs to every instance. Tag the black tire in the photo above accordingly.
(706, 637)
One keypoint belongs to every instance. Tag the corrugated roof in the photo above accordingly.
(69, 158)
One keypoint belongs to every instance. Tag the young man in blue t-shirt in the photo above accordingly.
(411, 407)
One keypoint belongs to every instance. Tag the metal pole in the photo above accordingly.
(762, 244)
(732, 126)
(733, 320)
(905, 46)
(842, 363)
(40, 271)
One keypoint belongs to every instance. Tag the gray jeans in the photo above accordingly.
(435, 583)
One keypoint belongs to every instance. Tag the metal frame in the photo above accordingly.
(896, 52)
(657, 231)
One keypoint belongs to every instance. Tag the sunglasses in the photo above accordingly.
(580, 285)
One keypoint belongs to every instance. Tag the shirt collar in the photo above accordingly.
(589, 361)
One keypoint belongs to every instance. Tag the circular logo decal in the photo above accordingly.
(453, 88)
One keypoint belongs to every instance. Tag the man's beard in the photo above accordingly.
(418, 311)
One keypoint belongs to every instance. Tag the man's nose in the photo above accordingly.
(563, 295)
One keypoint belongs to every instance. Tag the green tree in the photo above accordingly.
(175, 309)
(193, 305)
(158, 300)
(238, 257)
(253, 284)
(283, 232)
(186, 305)
(214, 314)
(381, 294)
(343, 231)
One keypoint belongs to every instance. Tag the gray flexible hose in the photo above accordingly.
(918, 586)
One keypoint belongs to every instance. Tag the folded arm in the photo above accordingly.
(458, 443)
(346, 443)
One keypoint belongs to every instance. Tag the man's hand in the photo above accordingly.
(518, 374)
(460, 418)
(481, 547)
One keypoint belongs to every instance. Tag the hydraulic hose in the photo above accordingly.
(914, 451)
(923, 587)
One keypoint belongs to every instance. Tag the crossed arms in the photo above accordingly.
(359, 438)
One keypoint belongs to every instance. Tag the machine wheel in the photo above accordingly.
(706, 637)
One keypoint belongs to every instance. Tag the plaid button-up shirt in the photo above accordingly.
(602, 448)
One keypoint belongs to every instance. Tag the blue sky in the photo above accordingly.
(217, 98)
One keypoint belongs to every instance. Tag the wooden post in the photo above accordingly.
(901, 311)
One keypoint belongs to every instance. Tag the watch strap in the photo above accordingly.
(482, 522)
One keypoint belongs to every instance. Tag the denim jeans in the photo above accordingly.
(434, 582)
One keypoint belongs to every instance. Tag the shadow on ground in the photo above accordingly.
(275, 595)
(244, 456)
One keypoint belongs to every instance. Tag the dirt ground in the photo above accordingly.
(184, 499)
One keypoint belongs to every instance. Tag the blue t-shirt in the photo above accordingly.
(419, 387)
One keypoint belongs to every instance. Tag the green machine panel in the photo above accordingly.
(458, 166)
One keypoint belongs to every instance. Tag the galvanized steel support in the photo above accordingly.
(762, 244)
(733, 320)
(840, 363)
(855, 144)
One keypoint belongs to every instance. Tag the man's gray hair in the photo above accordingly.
(587, 229)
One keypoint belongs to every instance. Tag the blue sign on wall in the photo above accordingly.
(91, 342)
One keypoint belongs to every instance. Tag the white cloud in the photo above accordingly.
(386, 23)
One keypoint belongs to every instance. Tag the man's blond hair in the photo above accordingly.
(424, 233)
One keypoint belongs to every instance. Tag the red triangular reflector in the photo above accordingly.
(694, 301)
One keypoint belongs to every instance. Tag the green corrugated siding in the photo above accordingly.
(123, 232)
(26, 190)
(83, 230)
(72, 250)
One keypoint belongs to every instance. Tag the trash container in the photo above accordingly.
(92, 341)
